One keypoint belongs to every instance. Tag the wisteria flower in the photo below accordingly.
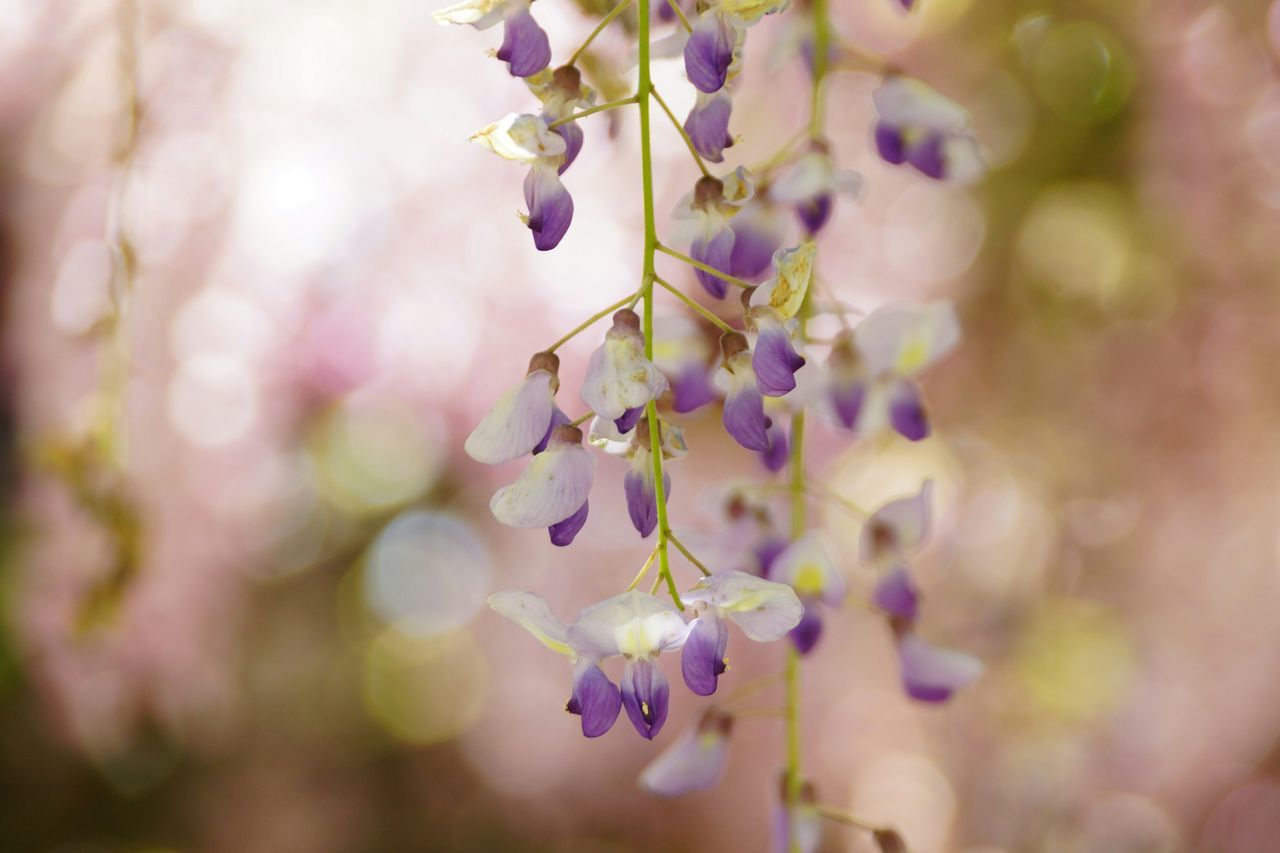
(713, 53)
(897, 343)
(708, 209)
(743, 415)
(525, 46)
(774, 456)
(810, 185)
(708, 125)
(774, 357)
(932, 674)
(785, 290)
(695, 761)
(796, 828)
(562, 93)
(637, 627)
(682, 352)
(925, 130)
(553, 487)
(620, 379)
(807, 566)
(593, 697)
(759, 230)
(765, 611)
(522, 418)
(526, 139)
(897, 527)
(639, 483)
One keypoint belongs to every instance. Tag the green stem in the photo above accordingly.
(703, 312)
(604, 22)
(621, 102)
(699, 265)
(675, 7)
(821, 61)
(583, 418)
(599, 315)
(671, 537)
(684, 134)
(644, 88)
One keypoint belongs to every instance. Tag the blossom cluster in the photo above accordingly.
(755, 230)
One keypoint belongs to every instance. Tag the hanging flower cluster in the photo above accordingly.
(754, 230)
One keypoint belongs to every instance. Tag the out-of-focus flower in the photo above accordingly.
(521, 419)
(552, 488)
(806, 565)
(932, 674)
(681, 351)
(713, 53)
(709, 207)
(562, 93)
(796, 828)
(639, 483)
(763, 609)
(774, 456)
(810, 185)
(897, 527)
(619, 378)
(525, 46)
(759, 230)
(638, 627)
(695, 761)
(526, 139)
(743, 416)
(922, 128)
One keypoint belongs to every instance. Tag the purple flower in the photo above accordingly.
(691, 388)
(920, 127)
(759, 230)
(744, 416)
(846, 381)
(708, 125)
(806, 565)
(810, 185)
(619, 377)
(896, 528)
(763, 609)
(897, 595)
(550, 206)
(774, 360)
(526, 139)
(709, 208)
(525, 46)
(681, 352)
(639, 483)
(710, 50)
(695, 761)
(639, 487)
(796, 828)
(552, 487)
(714, 250)
(931, 674)
(562, 94)
(595, 698)
(521, 419)
(774, 456)
(645, 695)
(563, 532)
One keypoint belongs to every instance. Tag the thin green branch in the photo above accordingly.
(594, 318)
(583, 418)
(598, 108)
(702, 312)
(671, 537)
(675, 7)
(644, 570)
(684, 134)
(699, 265)
(848, 818)
(604, 22)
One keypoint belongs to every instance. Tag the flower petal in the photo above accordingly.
(931, 674)
(532, 613)
(695, 761)
(906, 411)
(691, 388)
(891, 143)
(805, 635)
(815, 213)
(521, 137)
(907, 339)
(564, 532)
(550, 206)
(638, 486)
(517, 421)
(744, 416)
(907, 103)
(756, 236)
(525, 46)
(774, 359)
(572, 135)
(709, 51)
(702, 660)
(633, 624)
(897, 527)
(708, 125)
(627, 421)
(645, 695)
(619, 377)
(553, 486)
(896, 594)
(558, 418)
(480, 14)
(595, 698)
(846, 393)
(785, 291)
(774, 456)
(765, 610)
(715, 252)
(807, 566)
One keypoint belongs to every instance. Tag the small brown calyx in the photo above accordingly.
(567, 434)
(736, 507)
(820, 146)
(547, 361)
(732, 343)
(843, 350)
(746, 299)
(567, 80)
(642, 434)
(625, 318)
(717, 721)
(707, 191)
(888, 840)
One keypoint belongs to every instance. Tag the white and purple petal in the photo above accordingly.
(897, 527)
(563, 532)
(847, 391)
(642, 500)
(807, 566)
(694, 762)
(633, 624)
(525, 46)
(805, 635)
(932, 674)
(765, 610)
(645, 695)
(517, 423)
(744, 416)
(532, 613)
(755, 239)
(906, 339)
(709, 51)
(897, 595)
(558, 418)
(553, 486)
(906, 410)
(708, 125)
(550, 206)
(715, 251)
(702, 660)
(619, 377)
(784, 292)
(595, 698)
(774, 359)
(572, 135)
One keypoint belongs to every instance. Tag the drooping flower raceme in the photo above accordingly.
(637, 627)
(920, 127)
(763, 609)
(526, 139)
(620, 380)
(525, 46)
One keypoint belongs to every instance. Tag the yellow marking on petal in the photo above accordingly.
(644, 708)
(914, 354)
(794, 271)
(808, 579)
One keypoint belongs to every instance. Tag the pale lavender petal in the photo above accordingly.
(927, 156)
(805, 635)
(896, 594)
(931, 674)
(709, 52)
(814, 213)
(572, 135)
(525, 46)
(692, 388)
(753, 250)
(708, 126)
(550, 207)
(744, 416)
(774, 360)
(702, 660)
(557, 418)
(775, 455)
(847, 394)
(891, 144)
(595, 698)
(906, 411)
(714, 253)
(694, 762)
(645, 695)
(642, 500)
(563, 532)
(552, 487)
